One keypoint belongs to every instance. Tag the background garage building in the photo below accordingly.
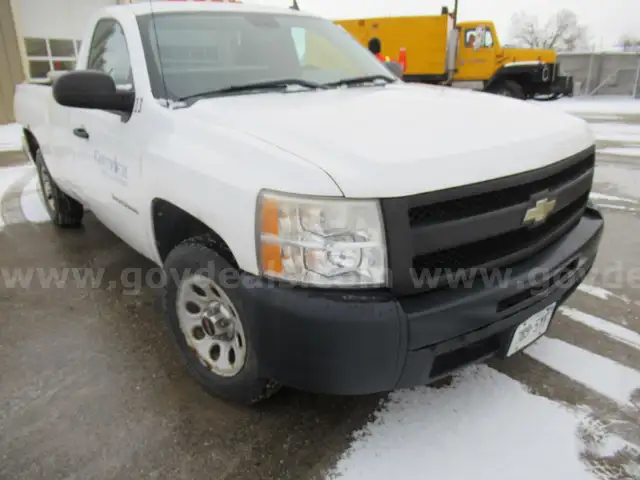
(37, 36)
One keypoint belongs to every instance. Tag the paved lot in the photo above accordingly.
(91, 387)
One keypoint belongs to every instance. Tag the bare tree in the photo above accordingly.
(561, 32)
(629, 43)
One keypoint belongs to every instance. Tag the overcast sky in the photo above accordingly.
(607, 19)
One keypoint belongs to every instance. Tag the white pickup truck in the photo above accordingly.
(323, 225)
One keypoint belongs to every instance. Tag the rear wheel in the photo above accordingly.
(508, 88)
(64, 211)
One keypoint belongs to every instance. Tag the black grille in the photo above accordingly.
(481, 225)
(469, 206)
(485, 251)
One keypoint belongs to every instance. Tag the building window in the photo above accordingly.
(50, 54)
(35, 47)
(38, 69)
(64, 65)
(62, 47)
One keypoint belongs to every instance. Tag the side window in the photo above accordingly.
(471, 38)
(109, 53)
(300, 41)
(488, 39)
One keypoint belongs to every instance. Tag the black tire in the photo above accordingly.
(64, 211)
(508, 88)
(197, 254)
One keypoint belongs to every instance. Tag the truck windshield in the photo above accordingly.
(196, 52)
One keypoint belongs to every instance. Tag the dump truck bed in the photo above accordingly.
(423, 37)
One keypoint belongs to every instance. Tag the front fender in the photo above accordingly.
(216, 177)
(535, 72)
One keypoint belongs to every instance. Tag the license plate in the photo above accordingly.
(531, 329)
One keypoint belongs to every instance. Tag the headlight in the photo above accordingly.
(321, 242)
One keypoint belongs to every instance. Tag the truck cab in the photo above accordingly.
(519, 72)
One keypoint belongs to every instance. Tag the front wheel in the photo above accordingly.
(208, 323)
(508, 88)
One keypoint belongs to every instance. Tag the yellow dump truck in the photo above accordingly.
(467, 54)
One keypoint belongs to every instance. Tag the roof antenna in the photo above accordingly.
(295, 5)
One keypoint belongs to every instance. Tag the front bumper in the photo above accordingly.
(350, 343)
(562, 84)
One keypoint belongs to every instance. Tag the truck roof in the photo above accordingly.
(146, 7)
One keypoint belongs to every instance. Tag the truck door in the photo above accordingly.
(108, 164)
(477, 53)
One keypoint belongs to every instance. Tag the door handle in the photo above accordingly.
(81, 132)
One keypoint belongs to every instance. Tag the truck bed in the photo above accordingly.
(423, 37)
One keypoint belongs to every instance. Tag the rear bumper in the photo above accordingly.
(361, 343)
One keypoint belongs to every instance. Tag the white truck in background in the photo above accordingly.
(310, 216)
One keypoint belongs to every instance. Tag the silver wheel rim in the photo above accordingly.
(47, 189)
(211, 326)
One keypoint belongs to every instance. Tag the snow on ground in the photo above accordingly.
(611, 379)
(10, 137)
(31, 203)
(592, 117)
(616, 132)
(8, 176)
(617, 207)
(485, 426)
(623, 151)
(599, 105)
(601, 293)
(611, 329)
(611, 198)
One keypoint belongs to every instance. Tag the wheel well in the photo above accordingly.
(32, 143)
(522, 78)
(172, 225)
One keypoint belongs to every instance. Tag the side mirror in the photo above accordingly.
(91, 89)
(395, 68)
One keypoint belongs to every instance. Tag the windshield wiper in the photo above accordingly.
(266, 85)
(357, 80)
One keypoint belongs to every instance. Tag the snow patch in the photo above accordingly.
(627, 151)
(8, 176)
(598, 105)
(601, 293)
(589, 116)
(485, 425)
(617, 207)
(31, 203)
(616, 132)
(602, 196)
(611, 379)
(617, 332)
(10, 137)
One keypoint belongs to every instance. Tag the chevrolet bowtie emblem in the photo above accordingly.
(540, 212)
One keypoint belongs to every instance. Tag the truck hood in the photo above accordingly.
(517, 55)
(403, 139)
